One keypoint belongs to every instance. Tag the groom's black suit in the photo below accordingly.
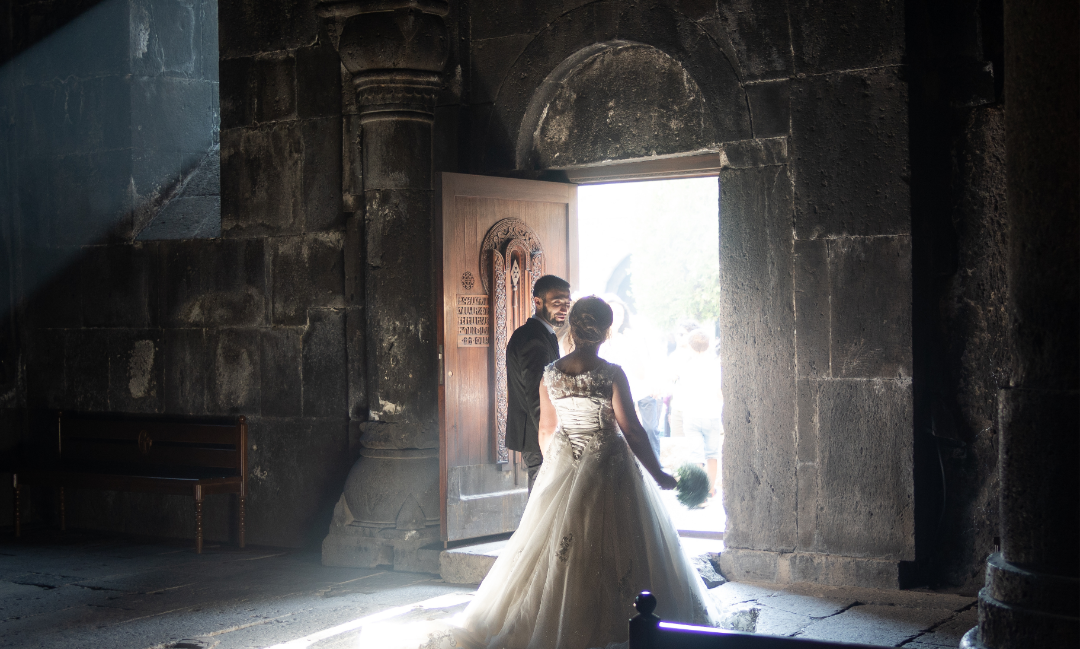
(529, 351)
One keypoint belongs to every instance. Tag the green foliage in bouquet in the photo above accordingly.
(693, 487)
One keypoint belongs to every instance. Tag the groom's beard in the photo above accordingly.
(549, 317)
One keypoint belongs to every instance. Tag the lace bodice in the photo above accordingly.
(582, 402)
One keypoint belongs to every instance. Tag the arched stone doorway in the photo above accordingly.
(818, 468)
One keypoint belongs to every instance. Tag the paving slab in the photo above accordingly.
(887, 626)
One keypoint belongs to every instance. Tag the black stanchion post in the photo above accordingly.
(644, 625)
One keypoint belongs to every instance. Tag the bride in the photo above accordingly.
(594, 532)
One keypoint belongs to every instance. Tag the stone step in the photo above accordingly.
(469, 564)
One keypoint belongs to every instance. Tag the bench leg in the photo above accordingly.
(241, 496)
(198, 519)
(18, 513)
(63, 512)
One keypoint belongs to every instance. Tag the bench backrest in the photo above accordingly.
(217, 445)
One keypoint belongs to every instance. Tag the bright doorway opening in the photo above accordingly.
(651, 249)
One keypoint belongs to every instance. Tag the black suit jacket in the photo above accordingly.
(527, 354)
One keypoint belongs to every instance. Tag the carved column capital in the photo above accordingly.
(396, 51)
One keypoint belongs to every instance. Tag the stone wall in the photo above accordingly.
(251, 323)
(861, 208)
(809, 107)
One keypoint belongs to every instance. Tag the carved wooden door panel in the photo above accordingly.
(496, 236)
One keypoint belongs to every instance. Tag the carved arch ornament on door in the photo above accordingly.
(513, 253)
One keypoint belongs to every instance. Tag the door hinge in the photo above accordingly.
(442, 371)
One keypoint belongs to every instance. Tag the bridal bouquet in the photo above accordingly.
(693, 486)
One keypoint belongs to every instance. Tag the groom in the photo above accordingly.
(530, 349)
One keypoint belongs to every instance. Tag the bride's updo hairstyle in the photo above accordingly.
(590, 321)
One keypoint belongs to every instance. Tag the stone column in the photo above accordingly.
(395, 51)
(1032, 593)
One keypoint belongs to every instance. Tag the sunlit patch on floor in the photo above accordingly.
(408, 620)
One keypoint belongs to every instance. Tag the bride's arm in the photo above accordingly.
(635, 435)
(548, 419)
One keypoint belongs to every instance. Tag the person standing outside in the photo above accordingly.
(531, 348)
(698, 395)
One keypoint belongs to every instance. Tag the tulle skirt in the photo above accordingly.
(594, 534)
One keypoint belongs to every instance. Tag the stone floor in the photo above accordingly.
(90, 590)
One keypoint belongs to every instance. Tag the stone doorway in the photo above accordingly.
(650, 248)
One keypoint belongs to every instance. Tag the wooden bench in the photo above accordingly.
(196, 456)
(647, 631)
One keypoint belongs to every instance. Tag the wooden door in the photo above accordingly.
(496, 236)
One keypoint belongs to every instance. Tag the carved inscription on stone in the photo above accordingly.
(473, 320)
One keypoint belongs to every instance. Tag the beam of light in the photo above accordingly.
(694, 629)
(442, 601)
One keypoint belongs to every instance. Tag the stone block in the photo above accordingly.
(36, 197)
(322, 168)
(876, 625)
(206, 180)
(352, 160)
(118, 286)
(274, 79)
(261, 180)
(306, 271)
(86, 369)
(172, 114)
(770, 108)
(813, 308)
(155, 175)
(186, 217)
(235, 374)
(94, 204)
(849, 148)
(469, 564)
(218, 282)
(249, 27)
(747, 154)
(187, 355)
(491, 59)
(865, 492)
(281, 389)
(445, 149)
(46, 380)
(206, 30)
(74, 115)
(325, 364)
(846, 35)
(163, 37)
(870, 294)
(318, 79)
(354, 248)
(95, 41)
(237, 92)
(136, 370)
(494, 18)
(740, 565)
(355, 341)
(296, 469)
(758, 328)
(52, 280)
(757, 36)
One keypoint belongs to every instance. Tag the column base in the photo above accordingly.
(352, 546)
(1020, 609)
(826, 569)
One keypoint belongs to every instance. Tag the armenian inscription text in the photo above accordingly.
(473, 320)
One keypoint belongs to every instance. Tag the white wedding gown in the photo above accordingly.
(594, 534)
